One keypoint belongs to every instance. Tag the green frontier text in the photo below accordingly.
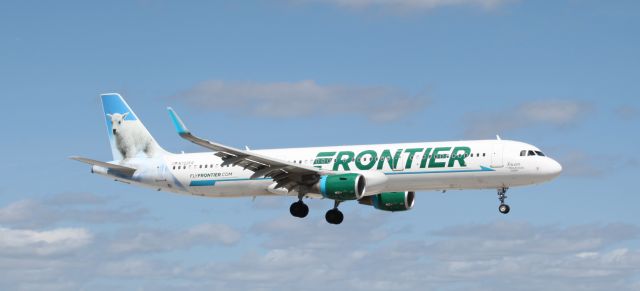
(439, 157)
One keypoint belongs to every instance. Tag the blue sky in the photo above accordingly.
(562, 75)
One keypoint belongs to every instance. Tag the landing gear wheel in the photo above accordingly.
(299, 209)
(502, 195)
(334, 216)
(504, 208)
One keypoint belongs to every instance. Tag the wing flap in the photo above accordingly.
(287, 175)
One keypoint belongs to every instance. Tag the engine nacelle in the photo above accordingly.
(342, 187)
(376, 181)
(391, 201)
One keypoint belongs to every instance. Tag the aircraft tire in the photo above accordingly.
(334, 216)
(299, 209)
(504, 208)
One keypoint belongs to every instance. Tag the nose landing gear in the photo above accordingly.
(502, 195)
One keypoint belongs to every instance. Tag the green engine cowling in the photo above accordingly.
(391, 201)
(342, 187)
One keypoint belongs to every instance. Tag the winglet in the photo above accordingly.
(177, 122)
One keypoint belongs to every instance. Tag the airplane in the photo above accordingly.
(384, 176)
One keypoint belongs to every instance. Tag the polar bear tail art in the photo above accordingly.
(127, 135)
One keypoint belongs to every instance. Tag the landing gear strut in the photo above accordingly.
(299, 209)
(502, 195)
(334, 216)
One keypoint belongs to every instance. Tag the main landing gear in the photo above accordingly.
(334, 216)
(301, 210)
(502, 195)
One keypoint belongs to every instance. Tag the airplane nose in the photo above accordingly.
(554, 168)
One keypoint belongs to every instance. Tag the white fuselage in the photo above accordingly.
(386, 167)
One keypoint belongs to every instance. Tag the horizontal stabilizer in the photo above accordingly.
(118, 168)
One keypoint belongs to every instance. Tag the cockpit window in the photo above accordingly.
(529, 153)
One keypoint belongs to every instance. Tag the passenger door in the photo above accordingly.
(497, 159)
(161, 173)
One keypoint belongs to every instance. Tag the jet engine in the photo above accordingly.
(342, 187)
(390, 201)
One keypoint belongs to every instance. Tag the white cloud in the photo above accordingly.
(364, 253)
(294, 99)
(578, 163)
(495, 256)
(142, 241)
(413, 4)
(627, 112)
(556, 114)
(66, 207)
(75, 198)
(501, 237)
(357, 229)
(552, 112)
(49, 242)
(139, 267)
(21, 211)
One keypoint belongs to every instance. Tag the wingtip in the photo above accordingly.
(177, 122)
(110, 94)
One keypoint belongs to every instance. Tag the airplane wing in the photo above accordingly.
(118, 168)
(287, 175)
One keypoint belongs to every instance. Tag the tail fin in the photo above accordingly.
(127, 135)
